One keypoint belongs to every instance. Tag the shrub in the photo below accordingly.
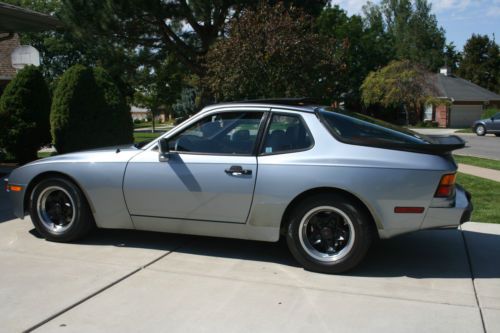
(75, 108)
(24, 115)
(488, 113)
(88, 111)
(115, 119)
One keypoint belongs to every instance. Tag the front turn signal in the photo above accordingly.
(14, 188)
(446, 186)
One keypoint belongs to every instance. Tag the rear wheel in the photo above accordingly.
(328, 233)
(480, 130)
(59, 210)
(497, 134)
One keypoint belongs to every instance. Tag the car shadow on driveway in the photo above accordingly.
(420, 255)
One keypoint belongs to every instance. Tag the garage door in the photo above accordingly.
(464, 115)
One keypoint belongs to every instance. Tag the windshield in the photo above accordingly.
(355, 128)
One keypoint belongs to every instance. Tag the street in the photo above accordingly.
(481, 146)
(487, 146)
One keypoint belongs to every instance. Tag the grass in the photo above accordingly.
(464, 130)
(478, 161)
(485, 195)
(43, 154)
(144, 124)
(145, 136)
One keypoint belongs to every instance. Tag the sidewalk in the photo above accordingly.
(479, 172)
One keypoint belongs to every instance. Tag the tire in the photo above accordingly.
(335, 217)
(480, 130)
(497, 134)
(59, 210)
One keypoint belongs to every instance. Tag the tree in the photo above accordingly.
(481, 62)
(413, 30)
(400, 84)
(186, 105)
(115, 119)
(61, 49)
(159, 85)
(24, 115)
(452, 57)
(88, 111)
(366, 48)
(273, 52)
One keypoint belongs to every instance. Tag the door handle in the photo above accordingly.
(237, 170)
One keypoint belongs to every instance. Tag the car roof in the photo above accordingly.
(296, 104)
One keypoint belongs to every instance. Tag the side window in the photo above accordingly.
(497, 116)
(222, 133)
(286, 133)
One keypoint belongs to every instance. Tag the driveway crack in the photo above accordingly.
(469, 261)
(106, 287)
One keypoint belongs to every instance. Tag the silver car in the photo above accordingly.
(329, 181)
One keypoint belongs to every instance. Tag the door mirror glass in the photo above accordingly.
(163, 149)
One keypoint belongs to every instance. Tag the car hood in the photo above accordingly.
(106, 155)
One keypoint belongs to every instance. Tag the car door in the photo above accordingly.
(495, 122)
(209, 175)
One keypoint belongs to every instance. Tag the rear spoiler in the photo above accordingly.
(443, 144)
(437, 145)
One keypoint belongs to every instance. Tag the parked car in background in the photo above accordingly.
(489, 125)
(327, 180)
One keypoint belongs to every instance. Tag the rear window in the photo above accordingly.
(355, 128)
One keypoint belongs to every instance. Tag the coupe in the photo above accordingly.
(327, 180)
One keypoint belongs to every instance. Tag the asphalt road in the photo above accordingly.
(487, 146)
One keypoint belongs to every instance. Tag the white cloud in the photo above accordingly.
(352, 6)
(449, 8)
(445, 5)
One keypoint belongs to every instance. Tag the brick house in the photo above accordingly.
(7, 72)
(466, 101)
(13, 20)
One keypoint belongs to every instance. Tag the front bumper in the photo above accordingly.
(450, 216)
(16, 199)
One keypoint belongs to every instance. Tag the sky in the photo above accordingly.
(459, 18)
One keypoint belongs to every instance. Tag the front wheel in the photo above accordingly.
(328, 233)
(480, 130)
(59, 210)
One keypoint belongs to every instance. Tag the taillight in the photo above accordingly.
(446, 186)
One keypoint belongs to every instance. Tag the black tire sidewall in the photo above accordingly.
(83, 221)
(362, 229)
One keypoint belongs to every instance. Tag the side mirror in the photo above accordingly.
(492, 118)
(163, 149)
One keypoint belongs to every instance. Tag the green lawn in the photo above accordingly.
(485, 197)
(477, 161)
(43, 154)
(146, 136)
(145, 124)
(464, 130)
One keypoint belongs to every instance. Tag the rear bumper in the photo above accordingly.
(450, 216)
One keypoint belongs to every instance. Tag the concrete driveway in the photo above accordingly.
(125, 281)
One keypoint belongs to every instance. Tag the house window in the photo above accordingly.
(428, 113)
